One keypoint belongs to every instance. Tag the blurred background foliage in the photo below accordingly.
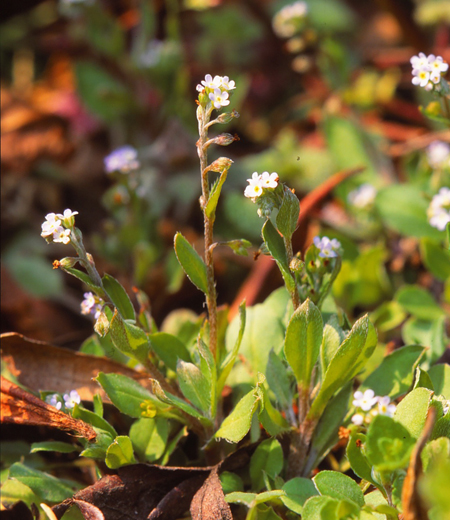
(81, 78)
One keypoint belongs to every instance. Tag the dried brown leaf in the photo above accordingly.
(209, 501)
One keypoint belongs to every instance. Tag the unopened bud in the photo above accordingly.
(296, 265)
(226, 117)
(66, 262)
(203, 99)
(224, 139)
(101, 326)
(220, 164)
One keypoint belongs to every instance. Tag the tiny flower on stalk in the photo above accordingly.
(211, 83)
(71, 399)
(54, 400)
(269, 180)
(439, 209)
(427, 71)
(254, 188)
(219, 99)
(61, 235)
(123, 160)
(438, 154)
(68, 218)
(91, 304)
(385, 407)
(365, 400)
(227, 84)
(327, 248)
(363, 196)
(51, 224)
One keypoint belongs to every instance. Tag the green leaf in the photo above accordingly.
(191, 262)
(92, 418)
(13, 491)
(119, 297)
(418, 302)
(346, 363)
(171, 399)
(303, 341)
(270, 418)
(279, 381)
(128, 338)
(403, 208)
(435, 258)
(277, 249)
(333, 335)
(288, 213)
(120, 453)
(231, 482)
(169, 349)
(394, 375)
(358, 461)
(389, 444)
(98, 405)
(239, 246)
(44, 485)
(149, 437)
(58, 446)
(211, 205)
(98, 449)
(326, 432)
(125, 393)
(422, 379)
(239, 497)
(440, 376)
(194, 385)
(314, 505)
(268, 459)
(340, 486)
(298, 490)
(82, 277)
(236, 425)
(412, 411)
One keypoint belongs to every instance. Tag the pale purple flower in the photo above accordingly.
(437, 64)
(227, 84)
(71, 399)
(427, 70)
(123, 160)
(385, 407)
(51, 224)
(366, 400)
(419, 61)
(211, 83)
(438, 154)
(54, 400)
(328, 248)
(61, 235)
(439, 209)
(219, 99)
(89, 303)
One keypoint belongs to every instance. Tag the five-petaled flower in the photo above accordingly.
(365, 400)
(211, 83)
(123, 160)
(54, 400)
(269, 180)
(439, 209)
(427, 70)
(369, 405)
(327, 248)
(254, 188)
(51, 224)
(61, 235)
(91, 304)
(219, 99)
(71, 399)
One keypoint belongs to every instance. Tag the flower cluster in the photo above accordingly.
(58, 226)
(438, 154)
(363, 196)
(70, 400)
(217, 89)
(327, 248)
(427, 70)
(91, 304)
(289, 19)
(439, 209)
(259, 182)
(123, 160)
(369, 405)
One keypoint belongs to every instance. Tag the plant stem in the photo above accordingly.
(211, 296)
(290, 255)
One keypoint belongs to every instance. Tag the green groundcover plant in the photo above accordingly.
(278, 412)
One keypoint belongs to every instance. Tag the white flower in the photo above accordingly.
(269, 180)
(219, 98)
(419, 61)
(421, 77)
(365, 400)
(363, 196)
(71, 399)
(384, 406)
(211, 83)
(51, 224)
(123, 159)
(358, 419)
(439, 209)
(68, 217)
(289, 19)
(54, 400)
(227, 84)
(199, 88)
(61, 235)
(328, 248)
(437, 64)
(254, 189)
(438, 154)
(440, 219)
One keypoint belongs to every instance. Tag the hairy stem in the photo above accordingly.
(290, 255)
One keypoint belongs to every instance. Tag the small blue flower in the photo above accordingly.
(328, 248)
(123, 160)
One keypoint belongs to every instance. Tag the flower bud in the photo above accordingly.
(224, 139)
(203, 99)
(101, 326)
(67, 262)
(220, 164)
(296, 265)
(148, 409)
(226, 117)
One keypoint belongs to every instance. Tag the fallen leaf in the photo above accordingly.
(18, 511)
(41, 366)
(209, 501)
(21, 407)
(89, 511)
